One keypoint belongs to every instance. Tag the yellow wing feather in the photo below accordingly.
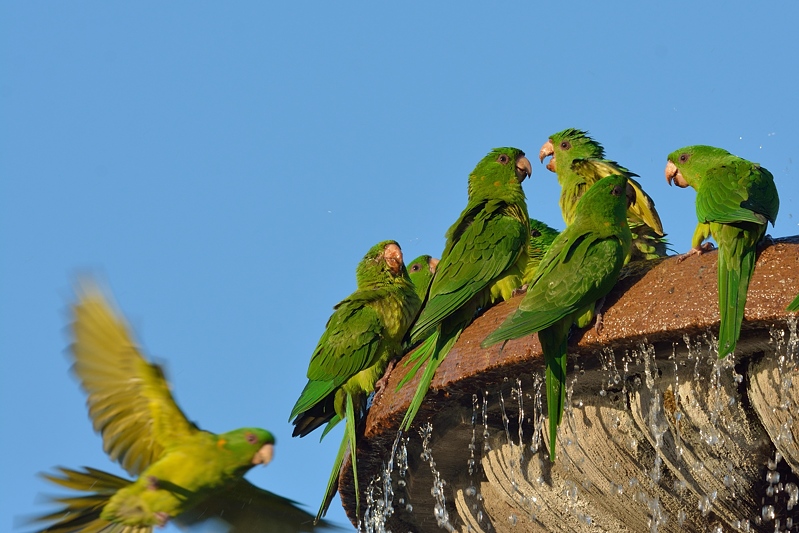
(129, 400)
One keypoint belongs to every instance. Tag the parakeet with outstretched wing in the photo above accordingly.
(579, 162)
(365, 331)
(184, 474)
(735, 201)
(483, 262)
(580, 268)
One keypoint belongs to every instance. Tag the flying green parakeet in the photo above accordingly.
(580, 268)
(794, 305)
(735, 201)
(365, 331)
(483, 262)
(579, 162)
(184, 474)
(421, 271)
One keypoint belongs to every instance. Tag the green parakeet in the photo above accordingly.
(365, 331)
(483, 262)
(541, 238)
(579, 162)
(794, 305)
(580, 268)
(184, 474)
(735, 201)
(421, 271)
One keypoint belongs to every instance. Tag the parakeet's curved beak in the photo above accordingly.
(264, 455)
(548, 149)
(674, 176)
(393, 256)
(432, 264)
(523, 168)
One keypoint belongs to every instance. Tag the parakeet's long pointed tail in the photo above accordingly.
(436, 349)
(733, 287)
(82, 513)
(553, 341)
(332, 483)
(794, 305)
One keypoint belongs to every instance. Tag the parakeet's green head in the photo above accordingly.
(541, 237)
(383, 262)
(499, 175)
(252, 446)
(606, 201)
(421, 271)
(686, 166)
(568, 145)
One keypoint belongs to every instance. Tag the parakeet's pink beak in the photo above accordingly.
(432, 264)
(264, 455)
(548, 150)
(523, 168)
(393, 256)
(674, 176)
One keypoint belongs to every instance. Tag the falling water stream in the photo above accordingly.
(653, 439)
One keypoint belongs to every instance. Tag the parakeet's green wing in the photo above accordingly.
(129, 400)
(721, 194)
(248, 509)
(350, 343)
(486, 248)
(574, 274)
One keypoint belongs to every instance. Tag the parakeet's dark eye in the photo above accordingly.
(416, 268)
(251, 438)
(616, 190)
(565, 145)
(503, 159)
(684, 157)
(535, 233)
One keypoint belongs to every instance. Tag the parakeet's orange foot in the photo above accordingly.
(519, 290)
(162, 518)
(707, 247)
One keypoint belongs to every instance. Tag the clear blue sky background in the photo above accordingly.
(224, 168)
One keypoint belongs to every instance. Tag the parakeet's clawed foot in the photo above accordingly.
(162, 518)
(702, 248)
(381, 383)
(519, 290)
(599, 323)
(152, 483)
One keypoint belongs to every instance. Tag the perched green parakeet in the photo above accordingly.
(735, 201)
(365, 331)
(580, 268)
(579, 161)
(483, 262)
(421, 271)
(184, 474)
(794, 305)
(541, 238)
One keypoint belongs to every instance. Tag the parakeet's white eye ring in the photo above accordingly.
(251, 438)
(684, 158)
(503, 159)
(565, 145)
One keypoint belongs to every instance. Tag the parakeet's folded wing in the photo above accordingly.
(486, 248)
(720, 197)
(129, 400)
(350, 344)
(571, 276)
(246, 508)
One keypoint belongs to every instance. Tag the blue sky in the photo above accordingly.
(224, 168)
